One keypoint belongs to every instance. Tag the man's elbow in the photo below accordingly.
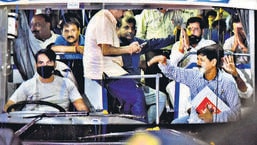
(7, 105)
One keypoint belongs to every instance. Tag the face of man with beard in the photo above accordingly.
(127, 30)
(194, 33)
(71, 33)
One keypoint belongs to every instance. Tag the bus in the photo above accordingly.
(103, 124)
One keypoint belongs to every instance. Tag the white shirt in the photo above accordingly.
(61, 92)
(228, 44)
(43, 44)
(176, 55)
(100, 30)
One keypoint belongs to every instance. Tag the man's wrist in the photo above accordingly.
(75, 48)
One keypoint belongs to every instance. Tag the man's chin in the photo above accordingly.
(129, 38)
(71, 41)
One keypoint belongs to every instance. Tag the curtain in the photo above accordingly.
(244, 18)
(24, 49)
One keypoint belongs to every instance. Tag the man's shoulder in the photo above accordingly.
(230, 39)
(81, 39)
(208, 41)
(205, 42)
(225, 77)
(60, 40)
(61, 80)
(30, 82)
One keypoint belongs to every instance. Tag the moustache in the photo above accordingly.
(35, 31)
(70, 37)
(198, 66)
(130, 35)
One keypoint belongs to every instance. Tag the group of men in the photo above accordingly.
(110, 46)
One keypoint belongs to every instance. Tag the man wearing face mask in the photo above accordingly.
(45, 86)
(190, 41)
(209, 61)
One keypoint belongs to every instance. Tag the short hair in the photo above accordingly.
(211, 13)
(45, 16)
(128, 19)
(214, 51)
(221, 23)
(69, 19)
(48, 52)
(194, 20)
(235, 18)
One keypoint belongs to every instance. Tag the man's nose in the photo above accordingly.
(32, 27)
(130, 30)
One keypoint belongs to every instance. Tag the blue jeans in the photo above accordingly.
(150, 98)
(131, 96)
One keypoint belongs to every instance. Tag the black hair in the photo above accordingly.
(221, 23)
(69, 19)
(48, 52)
(128, 19)
(235, 18)
(214, 51)
(45, 16)
(194, 20)
(211, 13)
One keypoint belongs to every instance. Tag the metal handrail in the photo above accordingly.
(157, 80)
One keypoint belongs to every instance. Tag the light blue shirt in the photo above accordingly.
(222, 84)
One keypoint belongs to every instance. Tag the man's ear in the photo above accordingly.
(214, 62)
(202, 32)
(48, 24)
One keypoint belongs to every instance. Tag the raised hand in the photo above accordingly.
(229, 65)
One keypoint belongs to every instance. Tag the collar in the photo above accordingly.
(218, 76)
(108, 14)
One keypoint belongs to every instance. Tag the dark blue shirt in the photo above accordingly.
(131, 62)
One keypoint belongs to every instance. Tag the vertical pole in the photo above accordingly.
(157, 80)
(3, 56)
(252, 38)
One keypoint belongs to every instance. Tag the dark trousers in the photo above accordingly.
(129, 95)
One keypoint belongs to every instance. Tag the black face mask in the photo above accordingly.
(194, 39)
(45, 71)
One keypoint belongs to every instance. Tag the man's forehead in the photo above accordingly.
(69, 25)
(38, 18)
(126, 24)
(43, 56)
(200, 55)
(239, 24)
(194, 24)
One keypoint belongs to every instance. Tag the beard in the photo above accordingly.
(125, 41)
(194, 39)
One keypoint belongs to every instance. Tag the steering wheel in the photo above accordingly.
(19, 105)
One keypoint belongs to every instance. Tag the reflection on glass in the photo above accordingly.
(175, 33)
